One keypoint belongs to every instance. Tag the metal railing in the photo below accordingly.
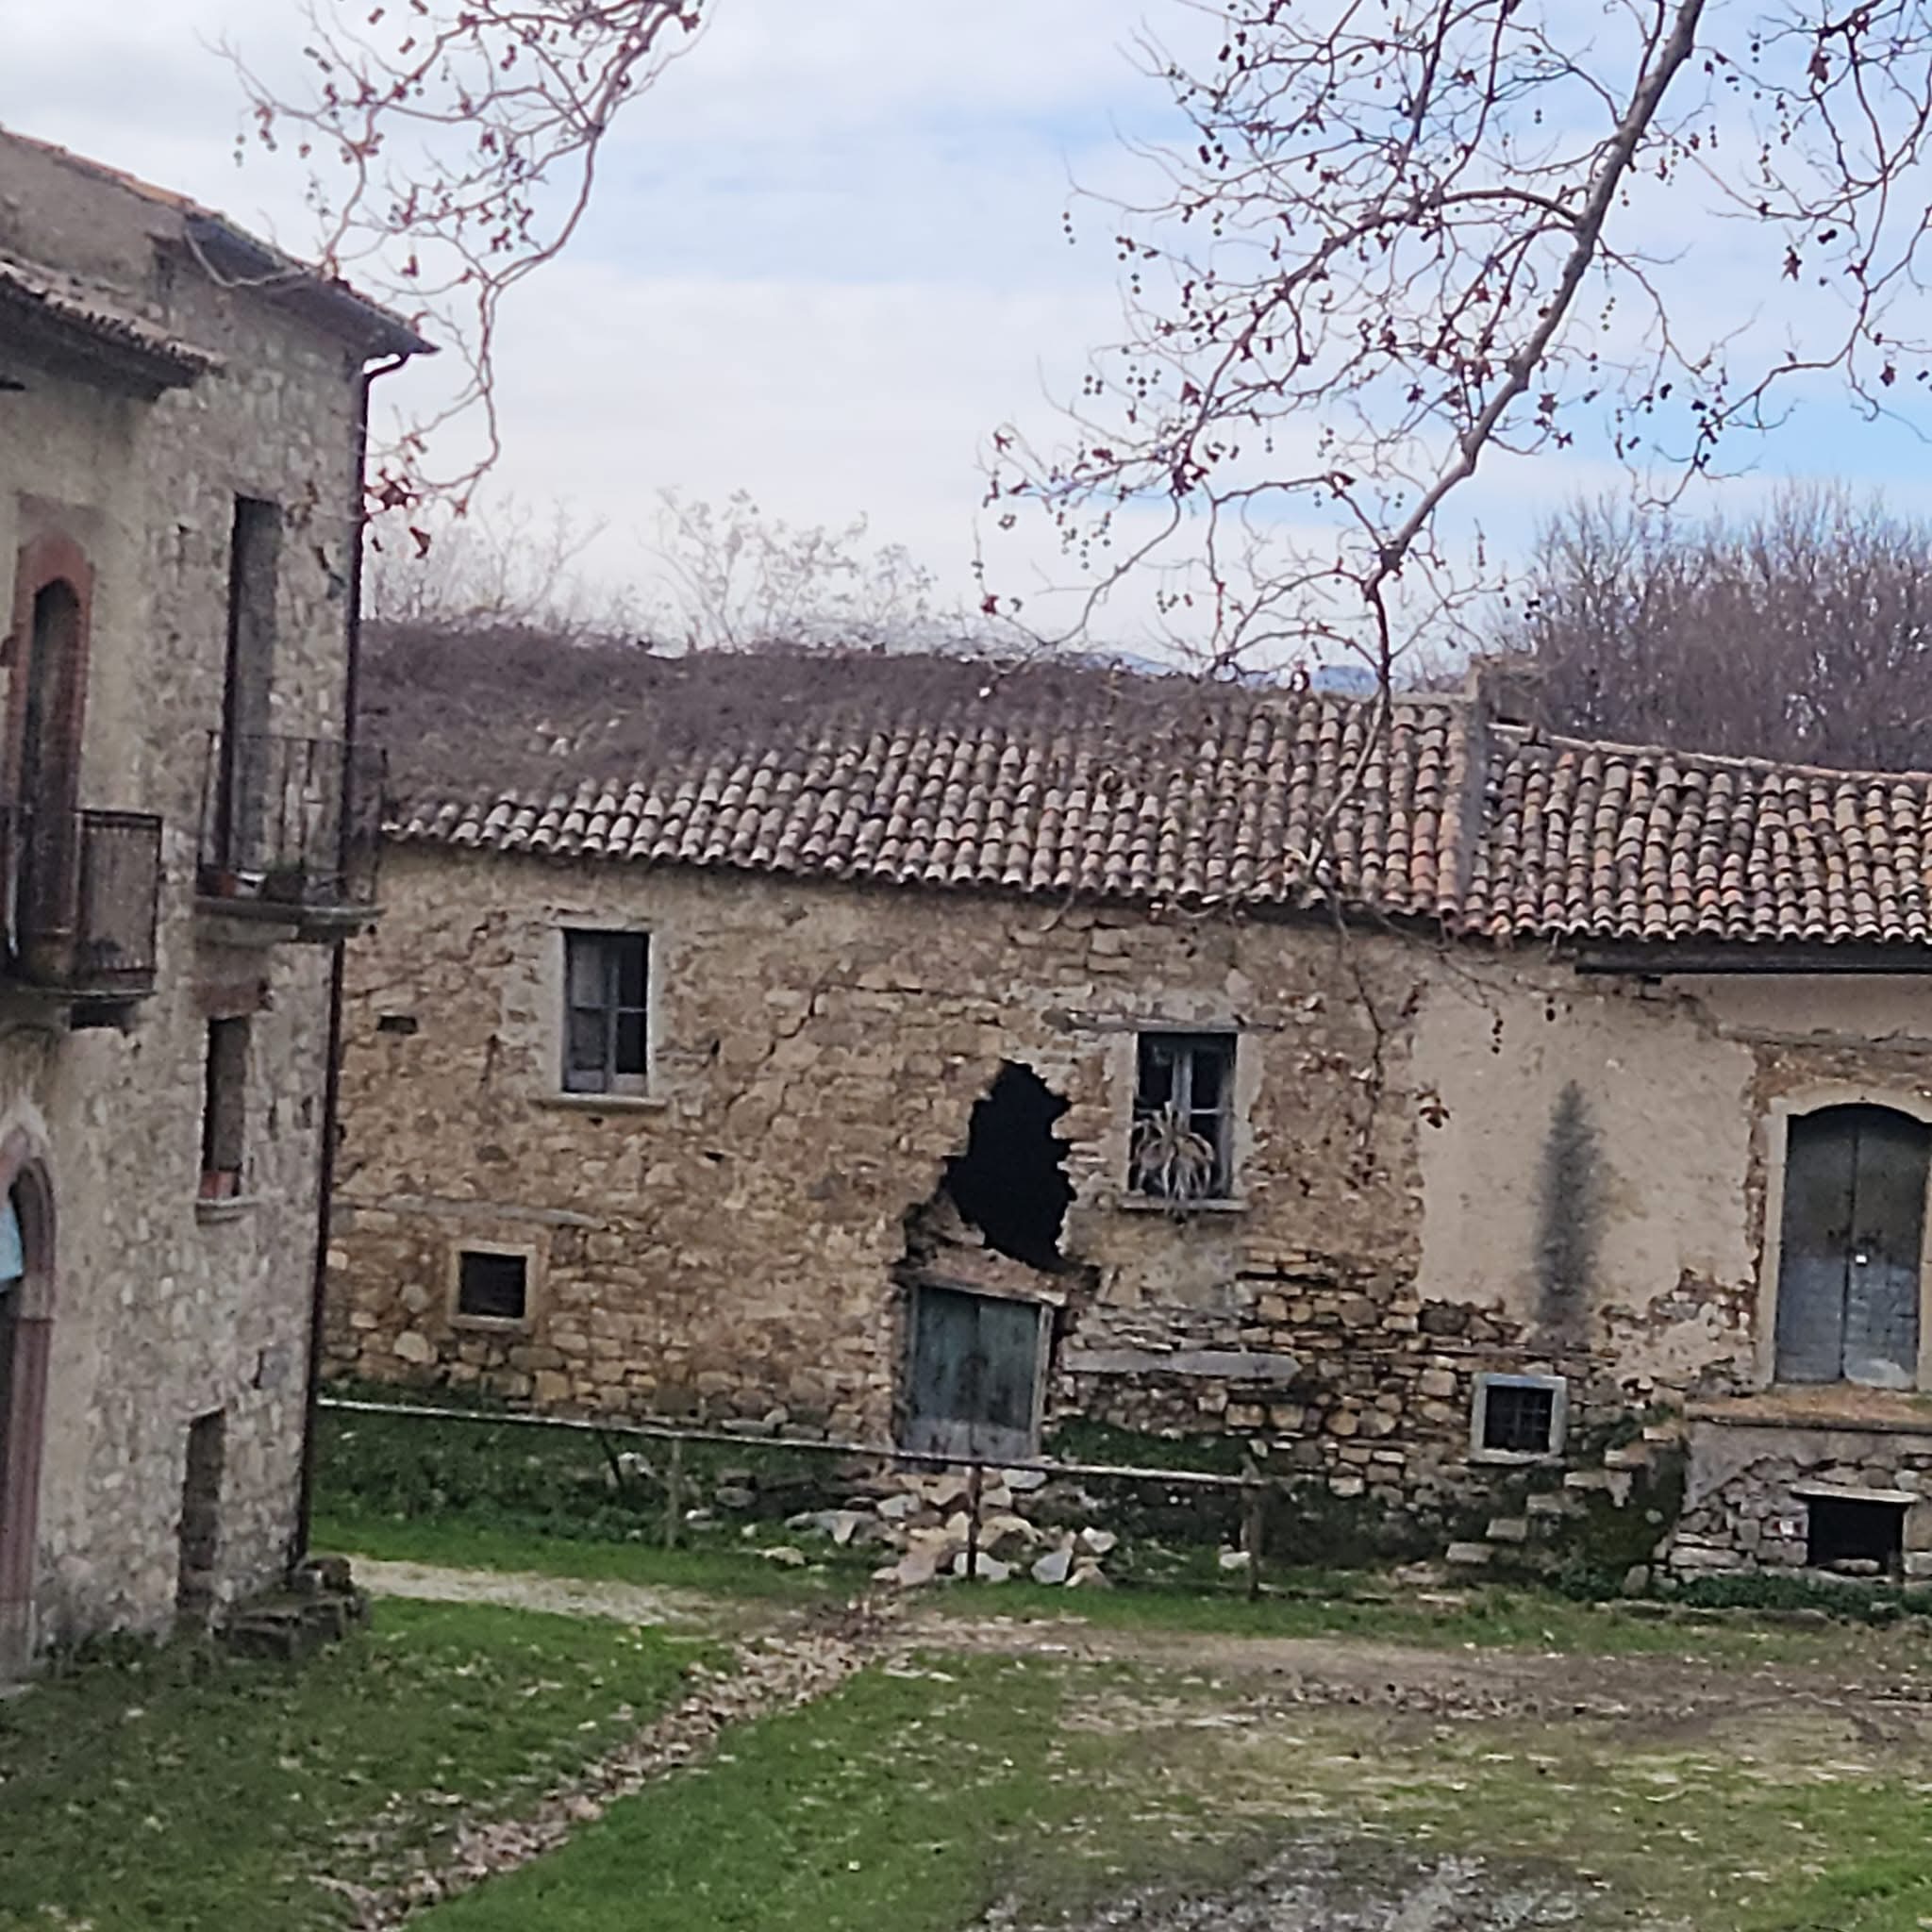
(82, 898)
(291, 820)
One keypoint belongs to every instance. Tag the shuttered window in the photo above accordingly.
(975, 1382)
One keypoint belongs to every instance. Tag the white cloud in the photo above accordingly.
(825, 261)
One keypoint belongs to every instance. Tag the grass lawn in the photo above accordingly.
(1334, 1605)
(918, 1802)
(174, 1789)
(911, 1802)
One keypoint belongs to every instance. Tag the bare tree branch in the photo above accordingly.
(454, 148)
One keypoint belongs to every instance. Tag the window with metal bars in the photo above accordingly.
(607, 1016)
(1520, 1415)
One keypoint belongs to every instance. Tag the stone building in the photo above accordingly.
(943, 1054)
(180, 430)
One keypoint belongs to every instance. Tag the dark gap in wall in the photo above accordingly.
(1011, 1182)
(201, 1517)
(1841, 1529)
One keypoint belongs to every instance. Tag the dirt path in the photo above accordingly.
(1658, 1696)
(565, 1596)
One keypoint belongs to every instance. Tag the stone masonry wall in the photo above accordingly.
(732, 1245)
(166, 1309)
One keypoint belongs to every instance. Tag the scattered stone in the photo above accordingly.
(1098, 1542)
(985, 1568)
(1467, 1556)
(1024, 1481)
(729, 1496)
(1234, 1559)
(1088, 1575)
(785, 1554)
(1054, 1568)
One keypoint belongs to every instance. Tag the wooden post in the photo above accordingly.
(975, 1478)
(674, 1495)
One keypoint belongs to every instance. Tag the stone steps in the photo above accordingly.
(1547, 1512)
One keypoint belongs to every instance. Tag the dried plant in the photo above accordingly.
(1171, 1159)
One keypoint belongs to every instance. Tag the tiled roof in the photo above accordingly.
(32, 298)
(1160, 789)
(1150, 790)
(258, 266)
(1629, 843)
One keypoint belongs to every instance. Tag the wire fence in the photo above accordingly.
(1252, 1485)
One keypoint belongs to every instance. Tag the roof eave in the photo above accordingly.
(239, 257)
(67, 343)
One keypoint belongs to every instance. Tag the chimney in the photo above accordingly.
(1505, 688)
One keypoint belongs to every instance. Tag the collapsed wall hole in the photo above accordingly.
(1011, 1181)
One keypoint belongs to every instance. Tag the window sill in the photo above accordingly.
(605, 1103)
(491, 1324)
(1154, 1204)
(1516, 1459)
(226, 1207)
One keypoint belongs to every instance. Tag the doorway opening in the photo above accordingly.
(1850, 1247)
(198, 1577)
(1846, 1530)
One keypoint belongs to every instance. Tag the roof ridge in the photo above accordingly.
(1517, 737)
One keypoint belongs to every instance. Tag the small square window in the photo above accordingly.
(1519, 1418)
(607, 1012)
(1183, 1141)
(493, 1286)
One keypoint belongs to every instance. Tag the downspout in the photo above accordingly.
(332, 1085)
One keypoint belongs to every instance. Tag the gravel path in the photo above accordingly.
(516, 1590)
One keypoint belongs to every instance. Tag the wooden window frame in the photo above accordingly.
(1187, 1044)
(609, 1079)
(524, 1251)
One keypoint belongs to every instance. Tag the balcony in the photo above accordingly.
(290, 834)
(83, 890)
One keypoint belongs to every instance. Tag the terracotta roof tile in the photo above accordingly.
(1639, 844)
(1206, 795)
(1159, 790)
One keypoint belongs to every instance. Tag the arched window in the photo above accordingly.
(1850, 1247)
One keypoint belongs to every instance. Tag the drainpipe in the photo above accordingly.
(332, 1086)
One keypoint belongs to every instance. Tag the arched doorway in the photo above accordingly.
(26, 1312)
(1850, 1247)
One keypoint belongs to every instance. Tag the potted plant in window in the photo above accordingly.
(1170, 1162)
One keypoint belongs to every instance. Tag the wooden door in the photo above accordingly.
(975, 1375)
(1852, 1236)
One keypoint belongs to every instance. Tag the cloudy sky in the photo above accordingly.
(828, 256)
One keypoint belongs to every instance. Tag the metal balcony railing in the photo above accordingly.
(293, 822)
(82, 894)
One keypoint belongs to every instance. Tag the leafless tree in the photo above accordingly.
(454, 148)
(1804, 632)
(743, 580)
(495, 568)
(1405, 238)
(719, 577)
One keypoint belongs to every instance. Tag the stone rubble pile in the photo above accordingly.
(927, 1523)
